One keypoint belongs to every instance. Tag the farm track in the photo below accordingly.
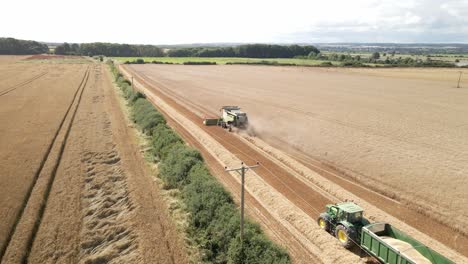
(423, 222)
(282, 181)
(28, 219)
(14, 87)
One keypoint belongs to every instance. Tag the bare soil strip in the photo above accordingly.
(247, 154)
(6, 91)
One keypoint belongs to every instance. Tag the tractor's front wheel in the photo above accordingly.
(345, 236)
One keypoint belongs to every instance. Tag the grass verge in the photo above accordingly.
(213, 218)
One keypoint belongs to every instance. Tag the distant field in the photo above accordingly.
(458, 58)
(181, 60)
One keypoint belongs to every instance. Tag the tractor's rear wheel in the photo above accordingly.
(323, 223)
(345, 236)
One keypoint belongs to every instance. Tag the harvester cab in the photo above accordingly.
(345, 221)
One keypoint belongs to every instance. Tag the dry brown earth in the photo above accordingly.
(204, 89)
(94, 200)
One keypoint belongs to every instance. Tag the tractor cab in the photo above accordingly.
(344, 220)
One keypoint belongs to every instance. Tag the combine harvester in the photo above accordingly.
(230, 116)
(380, 240)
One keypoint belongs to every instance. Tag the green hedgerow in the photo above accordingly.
(175, 167)
(163, 138)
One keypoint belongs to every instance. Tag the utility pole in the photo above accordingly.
(133, 88)
(459, 78)
(241, 171)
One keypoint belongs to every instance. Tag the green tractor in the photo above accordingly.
(344, 221)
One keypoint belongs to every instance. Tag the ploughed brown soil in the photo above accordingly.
(75, 188)
(371, 135)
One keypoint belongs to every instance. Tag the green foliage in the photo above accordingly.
(67, 49)
(375, 56)
(144, 114)
(109, 50)
(246, 51)
(199, 63)
(256, 249)
(174, 169)
(263, 62)
(11, 46)
(326, 64)
(162, 141)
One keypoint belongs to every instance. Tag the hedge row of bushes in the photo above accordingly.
(214, 218)
(142, 61)
(263, 62)
(199, 63)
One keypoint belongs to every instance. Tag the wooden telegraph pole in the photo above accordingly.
(241, 171)
(133, 88)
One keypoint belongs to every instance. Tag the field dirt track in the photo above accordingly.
(75, 188)
(307, 181)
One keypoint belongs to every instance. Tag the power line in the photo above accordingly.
(241, 171)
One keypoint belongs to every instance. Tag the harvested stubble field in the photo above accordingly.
(74, 186)
(397, 138)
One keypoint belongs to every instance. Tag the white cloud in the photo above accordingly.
(178, 21)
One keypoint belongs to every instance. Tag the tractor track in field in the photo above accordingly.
(26, 226)
(282, 182)
(19, 85)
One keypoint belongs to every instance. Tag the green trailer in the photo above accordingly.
(380, 240)
(212, 121)
(392, 246)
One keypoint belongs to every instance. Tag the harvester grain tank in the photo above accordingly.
(380, 240)
(231, 116)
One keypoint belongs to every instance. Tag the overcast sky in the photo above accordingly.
(206, 21)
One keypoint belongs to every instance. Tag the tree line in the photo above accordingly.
(246, 51)
(109, 49)
(11, 46)
(378, 58)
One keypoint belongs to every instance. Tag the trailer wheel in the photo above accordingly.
(345, 236)
(323, 223)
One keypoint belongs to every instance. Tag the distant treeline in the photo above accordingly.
(402, 48)
(109, 49)
(246, 51)
(11, 46)
(377, 58)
